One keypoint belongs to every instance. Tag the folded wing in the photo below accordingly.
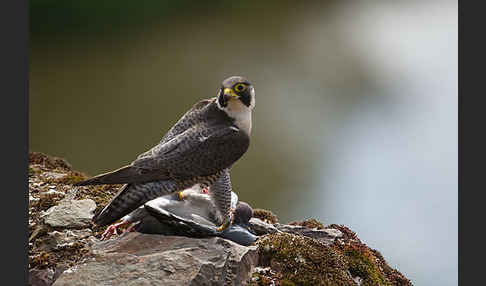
(194, 152)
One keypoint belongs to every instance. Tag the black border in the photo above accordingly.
(14, 29)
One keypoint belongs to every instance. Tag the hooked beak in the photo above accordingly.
(228, 94)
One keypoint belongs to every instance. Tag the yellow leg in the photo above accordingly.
(227, 222)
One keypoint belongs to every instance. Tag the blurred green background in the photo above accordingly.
(356, 111)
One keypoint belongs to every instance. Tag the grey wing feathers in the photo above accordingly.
(197, 152)
(186, 121)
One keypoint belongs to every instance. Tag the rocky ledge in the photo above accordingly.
(65, 247)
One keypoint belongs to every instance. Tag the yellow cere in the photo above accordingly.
(229, 91)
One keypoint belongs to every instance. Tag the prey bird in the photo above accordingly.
(199, 149)
(195, 216)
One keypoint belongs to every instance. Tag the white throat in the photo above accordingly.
(240, 113)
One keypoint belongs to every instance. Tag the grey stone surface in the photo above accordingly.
(260, 227)
(326, 236)
(70, 214)
(145, 259)
(41, 277)
(54, 175)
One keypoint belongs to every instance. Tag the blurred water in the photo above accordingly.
(395, 180)
(355, 121)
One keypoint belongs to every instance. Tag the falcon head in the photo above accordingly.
(236, 97)
(236, 92)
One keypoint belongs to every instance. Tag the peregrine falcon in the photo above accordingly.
(199, 149)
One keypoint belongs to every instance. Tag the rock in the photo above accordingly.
(41, 277)
(260, 227)
(327, 235)
(52, 193)
(54, 175)
(44, 277)
(147, 259)
(70, 214)
(64, 243)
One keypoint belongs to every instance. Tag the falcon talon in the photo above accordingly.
(228, 222)
(224, 226)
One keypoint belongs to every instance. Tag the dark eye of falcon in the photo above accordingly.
(239, 87)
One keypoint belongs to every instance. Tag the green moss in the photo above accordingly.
(361, 263)
(393, 275)
(303, 260)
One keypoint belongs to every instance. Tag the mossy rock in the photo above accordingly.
(41, 182)
(265, 215)
(49, 162)
(303, 260)
(309, 223)
(292, 259)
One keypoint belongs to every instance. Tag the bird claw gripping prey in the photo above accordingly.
(200, 149)
(112, 229)
(227, 222)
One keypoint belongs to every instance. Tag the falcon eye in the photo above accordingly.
(239, 87)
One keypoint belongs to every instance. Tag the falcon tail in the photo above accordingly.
(130, 197)
(120, 176)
